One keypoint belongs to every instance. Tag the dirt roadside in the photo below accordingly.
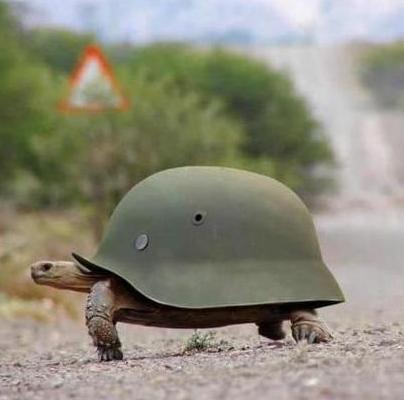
(365, 361)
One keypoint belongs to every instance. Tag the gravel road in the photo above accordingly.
(365, 361)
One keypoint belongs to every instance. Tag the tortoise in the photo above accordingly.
(202, 247)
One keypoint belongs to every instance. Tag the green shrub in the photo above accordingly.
(381, 70)
(280, 130)
(199, 342)
(97, 158)
(23, 99)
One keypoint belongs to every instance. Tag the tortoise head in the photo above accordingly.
(64, 275)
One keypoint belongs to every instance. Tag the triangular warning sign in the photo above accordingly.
(93, 86)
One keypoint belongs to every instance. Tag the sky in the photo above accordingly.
(299, 13)
(258, 20)
(306, 12)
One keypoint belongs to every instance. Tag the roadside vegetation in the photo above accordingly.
(28, 236)
(188, 106)
(205, 341)
(381, 70)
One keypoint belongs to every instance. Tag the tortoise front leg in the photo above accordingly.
(307, 326)
(100, 321)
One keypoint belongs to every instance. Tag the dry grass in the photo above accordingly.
(40, 310)
(199, 342)
(28, 237)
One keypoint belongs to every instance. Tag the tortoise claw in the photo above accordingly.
(312, 337)
(118, 355)
(302, 332)
(106, 353)
(310, 331)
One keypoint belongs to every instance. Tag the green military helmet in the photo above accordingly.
(205, 237)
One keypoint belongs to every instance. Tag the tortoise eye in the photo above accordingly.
(199, 217)
(46, 267)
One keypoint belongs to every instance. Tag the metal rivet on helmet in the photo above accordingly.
(141, 242)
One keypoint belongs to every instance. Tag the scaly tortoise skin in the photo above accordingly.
(112, 300)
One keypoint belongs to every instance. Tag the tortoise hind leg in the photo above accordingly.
(306, 326)
(100, 322)
(271, 330)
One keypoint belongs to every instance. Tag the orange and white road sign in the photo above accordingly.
(93, 86)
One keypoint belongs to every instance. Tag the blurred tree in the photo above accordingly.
(382, 72)
(104, 154)
(280, 129)
(23, 98)
(190, 107)
(58, 48)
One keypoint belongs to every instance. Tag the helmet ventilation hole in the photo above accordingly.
(199, 217)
